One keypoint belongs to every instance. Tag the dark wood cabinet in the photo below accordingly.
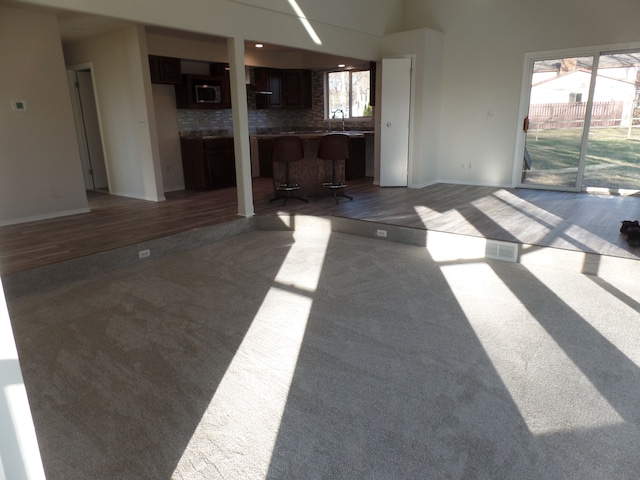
(268, 79)
(296, 89)
(165, 70)
(208, 164)
(372, 83)
(265, 145)
(205, 91)
(355, 165)
(290, 88)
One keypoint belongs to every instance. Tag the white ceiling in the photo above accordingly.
(76, 26)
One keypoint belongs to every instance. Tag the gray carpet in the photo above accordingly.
(273, 355)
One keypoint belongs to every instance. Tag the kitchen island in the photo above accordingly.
(208, 161)
(311, 172)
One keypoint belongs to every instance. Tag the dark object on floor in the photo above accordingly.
(631, 228)
(633, 236)
(627, 224)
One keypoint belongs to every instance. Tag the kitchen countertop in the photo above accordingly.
(320, 133)
(317, 134)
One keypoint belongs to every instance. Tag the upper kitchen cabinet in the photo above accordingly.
(268, 80)
(290, 88)
(296, 89)
(165, 70)
(205, 91)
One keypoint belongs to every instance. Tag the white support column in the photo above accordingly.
(19, 452)
(235, 47)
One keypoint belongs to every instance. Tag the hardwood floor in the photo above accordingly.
(574, 221)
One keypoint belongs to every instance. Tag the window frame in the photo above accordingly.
(328, 115)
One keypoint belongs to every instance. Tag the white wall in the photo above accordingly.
(485, 44)
(214, 49)
(40, 169)
(178, 45)
(351, 29)
(125, 104)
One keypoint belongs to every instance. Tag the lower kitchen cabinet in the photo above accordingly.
(208, 164)
(265, 145)
(355, 164)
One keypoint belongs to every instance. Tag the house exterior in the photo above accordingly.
(614, 98)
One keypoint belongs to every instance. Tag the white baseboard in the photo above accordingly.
(138, 197)
(174, 189)
(476, 184)
(424, 184)
(47, 216)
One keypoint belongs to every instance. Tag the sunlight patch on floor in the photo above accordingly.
(247, 408)
(621, 327)
(19, 451)
(573, 233)
(549, 390)
(447, 247)
(611, 191)
(509, 217)
(454, 215)
(529, 208)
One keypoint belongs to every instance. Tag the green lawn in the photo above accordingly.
(612, 161)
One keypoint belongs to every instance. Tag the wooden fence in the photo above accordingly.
(544, 116)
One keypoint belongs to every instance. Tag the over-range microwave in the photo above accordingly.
(208, 94)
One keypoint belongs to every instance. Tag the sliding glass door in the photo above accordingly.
(581, 129)
(555, 125)
(613, 148)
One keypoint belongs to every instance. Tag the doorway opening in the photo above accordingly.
(582, 125)
(85, 113)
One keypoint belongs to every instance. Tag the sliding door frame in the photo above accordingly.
(525, 96)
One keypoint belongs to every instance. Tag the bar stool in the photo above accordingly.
(286, 149)
(334, 147)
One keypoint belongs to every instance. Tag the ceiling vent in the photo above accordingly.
(501, 251)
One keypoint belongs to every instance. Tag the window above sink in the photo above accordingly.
(348, 94)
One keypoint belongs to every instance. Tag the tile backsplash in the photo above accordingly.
(219, 122)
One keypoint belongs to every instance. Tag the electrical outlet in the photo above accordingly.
(144, 253)
(381, 233)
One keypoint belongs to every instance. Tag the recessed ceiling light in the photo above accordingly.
(259, 45)
(341, 65)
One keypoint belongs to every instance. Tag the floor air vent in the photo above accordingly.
(501, 251)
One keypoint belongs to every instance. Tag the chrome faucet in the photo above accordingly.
(334, 116)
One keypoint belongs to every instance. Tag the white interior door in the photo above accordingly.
(394, 115)
(91, 132)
